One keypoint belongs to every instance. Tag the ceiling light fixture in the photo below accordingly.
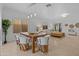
(31, 15)
(48, 5)
(28, 17)
(65, 15)
(35, 14)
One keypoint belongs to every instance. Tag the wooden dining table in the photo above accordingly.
(34, 37)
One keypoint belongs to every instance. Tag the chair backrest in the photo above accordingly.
(44, 40)
(23, 39)
(25, 33)
(47, 36)
(16, 35)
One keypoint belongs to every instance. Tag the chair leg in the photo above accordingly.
(20, 45)
(38, 47)
(24, 47)
(27, 46)
(44, 48)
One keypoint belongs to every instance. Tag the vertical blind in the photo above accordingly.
(20, 26)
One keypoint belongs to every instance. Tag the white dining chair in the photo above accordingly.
(23, 39)
(28, 40)
(24, 42)
(16, 35)
(43, 43)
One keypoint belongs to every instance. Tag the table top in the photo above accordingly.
(32, 34)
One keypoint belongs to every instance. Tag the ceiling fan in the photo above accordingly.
(48, 5)
(32, 4)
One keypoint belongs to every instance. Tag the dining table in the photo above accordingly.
(33, 37)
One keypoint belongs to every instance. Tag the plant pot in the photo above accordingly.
(5, 42)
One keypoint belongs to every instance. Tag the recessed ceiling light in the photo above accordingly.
(31, 15)
(28, 16)
(35, 14)
(65, 15)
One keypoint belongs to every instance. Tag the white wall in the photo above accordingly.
(0, 24)
(11, 14)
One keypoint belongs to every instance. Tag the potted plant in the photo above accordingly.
(5, 25)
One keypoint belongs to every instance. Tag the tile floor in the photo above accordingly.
(66, 46)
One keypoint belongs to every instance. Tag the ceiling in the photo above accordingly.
(24, 7)
(55, 9)
(18, 6)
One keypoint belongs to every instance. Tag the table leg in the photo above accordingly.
(33, 44)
